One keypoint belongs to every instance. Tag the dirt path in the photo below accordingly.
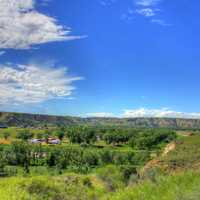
(170, 147)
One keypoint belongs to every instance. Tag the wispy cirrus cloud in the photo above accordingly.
(160, 113)
(147, 3)
(150, 9)
(22, 26)
(147, 12)
(25, 84)
(147, 8)
(160, 22)
(106, 2)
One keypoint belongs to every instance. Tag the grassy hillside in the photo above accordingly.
(35, 120)
(69, 187)
(174, 175)
(185, 156)
(185, 186)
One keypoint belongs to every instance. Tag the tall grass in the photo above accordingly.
(185, 186)
(177, 187)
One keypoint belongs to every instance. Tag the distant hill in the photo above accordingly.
(36, 120)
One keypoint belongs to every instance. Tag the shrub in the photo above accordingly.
(24, 135)
(112, 177)
(128, 171)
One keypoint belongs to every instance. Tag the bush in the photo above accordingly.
(24, 135)
(43, 190)
(112, 177)
(128, 171)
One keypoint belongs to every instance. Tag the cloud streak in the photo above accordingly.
(2, 53)
(150, 9)
(147, 2)
(147, 12)
(27, 84)
(100, 114)
(22, 26)
(147, 113)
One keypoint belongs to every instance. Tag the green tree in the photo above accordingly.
(60, 134)
(2, 164)
(47, 134)
(24, 135)
(6, 135)
(82, 134)
(21, 152)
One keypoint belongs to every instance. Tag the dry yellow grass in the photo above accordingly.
(3, 141)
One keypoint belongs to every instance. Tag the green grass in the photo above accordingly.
(185, 186)
(178, 187)
(68, 187)
(186, 155)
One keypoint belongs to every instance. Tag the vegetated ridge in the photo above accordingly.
(38, 120)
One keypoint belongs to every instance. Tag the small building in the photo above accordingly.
(54, 141)
(37, 141)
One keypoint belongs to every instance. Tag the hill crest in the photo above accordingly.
(41, 120)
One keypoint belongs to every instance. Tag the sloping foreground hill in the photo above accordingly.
(172, 176)
(183, 156)
(36, 120)
(185, 186)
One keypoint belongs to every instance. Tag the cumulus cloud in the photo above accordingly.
(23, 84)
(22, 26)
(163, 112)
(100, 114)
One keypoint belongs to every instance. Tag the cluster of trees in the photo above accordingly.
(119, 136)
(82, 134)
(136, 138)
(152, 139)
(140, 139)
(25, 155)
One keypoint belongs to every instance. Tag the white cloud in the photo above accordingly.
(2, 53)
(147, 2)
(160, 22)
(22, 84)
(106, 2)
(163, 112)
(100, 114)
(21, 26)
(150, 9)
(147, 12)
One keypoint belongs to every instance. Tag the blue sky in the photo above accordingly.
(125, 58)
